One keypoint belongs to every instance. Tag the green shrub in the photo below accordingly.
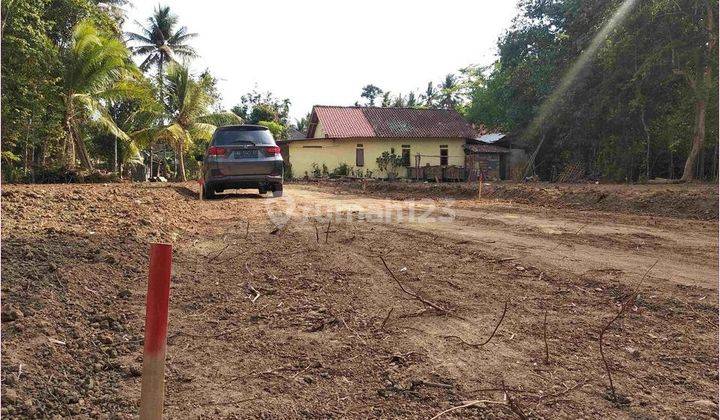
(342, 170)
(389, 163)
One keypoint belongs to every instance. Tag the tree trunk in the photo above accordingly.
(648, 172)
(150, 173)
(69, 142)
(82, 151)
(698, 140)
(181, 169)
(701, 87)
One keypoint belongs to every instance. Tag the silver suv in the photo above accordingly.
(242, 156)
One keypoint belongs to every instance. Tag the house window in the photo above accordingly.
(443, 155)
(359, 155)
(406, 155)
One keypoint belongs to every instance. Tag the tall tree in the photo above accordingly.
(635, 109)
(449, 92)
(412, 101)
(370, 92)
(429, 98)
(188, 107)
(695, 63)
(256, 106)
(160, 40)
(97, 69)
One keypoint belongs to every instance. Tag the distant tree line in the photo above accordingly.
(646, 106)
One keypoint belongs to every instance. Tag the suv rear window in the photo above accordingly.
(241, 135)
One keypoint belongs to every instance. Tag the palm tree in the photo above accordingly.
(160, 41)
(429, 96)
(449, 91)
(187, 106)
(96, 70)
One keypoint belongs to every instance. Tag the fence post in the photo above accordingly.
(152, 393)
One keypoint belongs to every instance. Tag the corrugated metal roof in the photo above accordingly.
(491, 138)
(347, 122)
(485, 148)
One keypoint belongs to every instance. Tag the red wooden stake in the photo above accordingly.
(156, 319)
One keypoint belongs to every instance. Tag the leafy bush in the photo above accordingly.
(342, 170)
(316, 170)
(278, 130)
(389, 163)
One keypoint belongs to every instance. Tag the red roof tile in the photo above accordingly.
(347, 122)
(343, 122)
(412, 122)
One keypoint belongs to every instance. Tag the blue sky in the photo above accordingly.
(323, 52)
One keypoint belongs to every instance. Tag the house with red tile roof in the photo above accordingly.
(356, 136)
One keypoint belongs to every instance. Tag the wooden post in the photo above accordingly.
(202, 186)
(152, 393)
(481, 180)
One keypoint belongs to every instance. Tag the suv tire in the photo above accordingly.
(208, 193)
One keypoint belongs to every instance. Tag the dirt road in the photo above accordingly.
(685, 251)
(332, 334)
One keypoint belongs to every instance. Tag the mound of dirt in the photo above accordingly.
(274, 321)
(689, 201)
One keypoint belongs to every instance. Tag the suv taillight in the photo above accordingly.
(272, 150)
(216, 151)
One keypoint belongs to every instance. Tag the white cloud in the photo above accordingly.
(323, 52)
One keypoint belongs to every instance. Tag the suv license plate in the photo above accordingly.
(245, 154)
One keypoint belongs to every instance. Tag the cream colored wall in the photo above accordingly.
(319, 132)
(333, 152)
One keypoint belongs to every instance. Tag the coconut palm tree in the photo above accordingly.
(187, 107)
(430, 96)
(96, 70)
(160, 41)
(449, 92)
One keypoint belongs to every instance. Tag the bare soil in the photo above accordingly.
(331, 333)
(684, 201)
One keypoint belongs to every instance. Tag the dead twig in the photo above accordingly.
(265, 372)
(561, 393)
(507, 302)
(414, 295)
(317, 233)
(547, 351)
(513, 404)
(382, 327)
(630, 301)
(466, 405)
(231, 402)
(249, 288)
(219, 253)
(327, 231)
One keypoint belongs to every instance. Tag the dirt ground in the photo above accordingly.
(332, 334)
